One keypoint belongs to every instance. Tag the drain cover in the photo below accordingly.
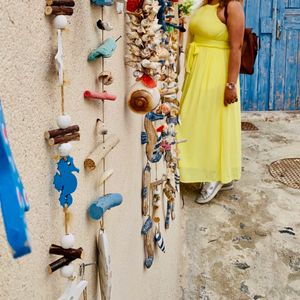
(286, 171)
(247, 126)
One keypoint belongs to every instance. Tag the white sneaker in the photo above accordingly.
(227, 186)
(208, 192)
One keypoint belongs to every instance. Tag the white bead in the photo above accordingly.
(64, 121)
(60, 22)
(67, 271)
(65, 149)
(68, 241)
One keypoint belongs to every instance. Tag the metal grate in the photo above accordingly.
(247, 126)
(287, 171)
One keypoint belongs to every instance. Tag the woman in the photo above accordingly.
(210, 104)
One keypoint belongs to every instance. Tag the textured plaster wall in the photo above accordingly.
(30, 95)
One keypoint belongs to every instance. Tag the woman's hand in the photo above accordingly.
(230, 96)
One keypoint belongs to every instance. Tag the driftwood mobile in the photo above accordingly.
(153, 52)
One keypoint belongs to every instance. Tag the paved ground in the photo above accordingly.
(233, 248)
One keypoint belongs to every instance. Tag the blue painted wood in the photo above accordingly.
(13, 199)
(98, 207)
(275, 83)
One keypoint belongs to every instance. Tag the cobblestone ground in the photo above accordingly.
(245, 244)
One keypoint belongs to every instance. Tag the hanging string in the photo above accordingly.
(62, 97)
(102, 87)
(66, 217)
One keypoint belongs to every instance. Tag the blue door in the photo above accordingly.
(275, 85)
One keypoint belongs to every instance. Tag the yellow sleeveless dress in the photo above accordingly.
(213, 150)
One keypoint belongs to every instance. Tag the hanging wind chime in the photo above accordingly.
(96, 158)
(153, 28)
(65, 181)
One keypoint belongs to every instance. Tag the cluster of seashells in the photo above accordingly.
(143, 39)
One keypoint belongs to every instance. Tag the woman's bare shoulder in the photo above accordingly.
(235, 7)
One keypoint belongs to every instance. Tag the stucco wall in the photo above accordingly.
(30, 97)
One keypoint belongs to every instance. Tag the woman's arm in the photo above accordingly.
(236, 27)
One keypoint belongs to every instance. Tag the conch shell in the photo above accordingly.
(142, 99)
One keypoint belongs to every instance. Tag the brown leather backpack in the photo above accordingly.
(249, 50)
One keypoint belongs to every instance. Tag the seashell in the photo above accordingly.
(135, 50)
(165, 108)
(138, 42)
(141, 29)
(163, 77)
(147, 2)
(137, 74)
(142, 99)
(156, 27)
(133, 35)
(154, 58)
(149, 72)
(150, 65)
(146, 23)
(146, 38)
(145, 53)
(163, 53)
(135, 20)
(106, 77)
(138, 67)
(175, 47)
(172, 85)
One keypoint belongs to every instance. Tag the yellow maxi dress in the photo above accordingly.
(213, 150)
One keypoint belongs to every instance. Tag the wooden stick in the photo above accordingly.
(67, 253)
(158, 182)
(59, 263)
(58, 10)
(61, 2)
(100, 152)
(105, 176)
(61, 132)
(64, 139)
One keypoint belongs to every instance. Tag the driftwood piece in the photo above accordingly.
(59, 263)
(105, 176)
(100, 152)
(61, 132)
(99, 96)
(61, 2)
(146, 189)
(149, 248)
(58, 10)
(64, 139)
(104, 265)
(67, 253)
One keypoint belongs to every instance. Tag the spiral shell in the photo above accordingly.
(142, 99)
